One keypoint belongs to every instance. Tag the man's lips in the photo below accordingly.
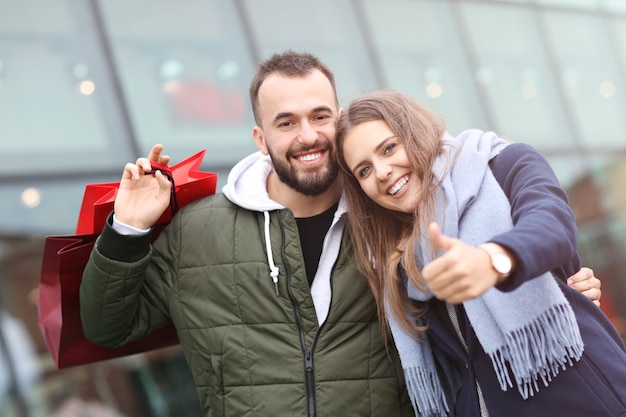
(309, 157)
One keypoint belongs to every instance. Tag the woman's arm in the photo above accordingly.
(544, 222)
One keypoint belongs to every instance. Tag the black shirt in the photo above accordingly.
(312, 232)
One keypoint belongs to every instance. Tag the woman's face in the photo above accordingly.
(378, 160)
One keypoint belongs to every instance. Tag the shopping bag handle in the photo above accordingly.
(167, 172)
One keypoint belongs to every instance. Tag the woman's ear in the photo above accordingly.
(259, 139)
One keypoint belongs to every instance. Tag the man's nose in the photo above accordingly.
(308, 133)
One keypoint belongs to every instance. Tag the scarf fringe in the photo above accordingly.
(539, 350)
(426, 392)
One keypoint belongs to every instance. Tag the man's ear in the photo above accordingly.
(259, 139)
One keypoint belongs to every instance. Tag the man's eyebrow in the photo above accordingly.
(322, 108)
(282, 115)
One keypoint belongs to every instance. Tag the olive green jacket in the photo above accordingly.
(255, 347)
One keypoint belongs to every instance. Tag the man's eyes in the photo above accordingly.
(316, 119)
(322, 116)
(285, 124)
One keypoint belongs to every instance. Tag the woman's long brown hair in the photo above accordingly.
(384, 240)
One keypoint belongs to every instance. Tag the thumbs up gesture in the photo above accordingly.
(461, 273)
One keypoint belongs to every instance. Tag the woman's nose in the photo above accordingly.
(383, 171)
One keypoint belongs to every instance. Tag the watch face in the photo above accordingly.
(501, 263)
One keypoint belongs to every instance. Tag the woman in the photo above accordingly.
(447, 230)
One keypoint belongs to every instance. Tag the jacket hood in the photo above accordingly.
(246, 185)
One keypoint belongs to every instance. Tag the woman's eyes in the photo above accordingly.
(364, 171)
(387, 149)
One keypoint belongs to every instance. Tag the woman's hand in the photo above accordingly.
(461, 273)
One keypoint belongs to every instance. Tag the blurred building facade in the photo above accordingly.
(88, 85)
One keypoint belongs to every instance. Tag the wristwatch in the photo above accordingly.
(500, 261)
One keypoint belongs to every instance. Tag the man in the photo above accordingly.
(260, 281)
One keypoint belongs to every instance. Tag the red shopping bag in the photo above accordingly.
(63, 262)
(65, 257)
(189, 184)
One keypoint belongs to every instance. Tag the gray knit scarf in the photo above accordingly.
(531, 330)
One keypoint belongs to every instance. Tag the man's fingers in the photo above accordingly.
(144, 165)
(155, 152)
(594, 295)
(131, 171)
(155, 155)
(164, 182)
(582, 275)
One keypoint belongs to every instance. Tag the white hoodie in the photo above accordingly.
(247, 187)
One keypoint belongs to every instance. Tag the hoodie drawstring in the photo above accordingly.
(270, 258)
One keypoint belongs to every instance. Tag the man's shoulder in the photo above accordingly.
(213, 200)
(217, 202)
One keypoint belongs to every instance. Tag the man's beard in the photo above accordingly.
(311, 183)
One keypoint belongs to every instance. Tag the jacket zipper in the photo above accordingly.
(310, 382)
(307, 353)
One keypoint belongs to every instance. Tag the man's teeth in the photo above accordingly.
(399, 185)
(310, 157)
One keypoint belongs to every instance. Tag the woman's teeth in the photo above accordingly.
(399, 185)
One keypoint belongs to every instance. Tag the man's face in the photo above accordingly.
(298, 117)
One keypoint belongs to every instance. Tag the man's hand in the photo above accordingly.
(142, 199)
(586, 283)
(463, 272)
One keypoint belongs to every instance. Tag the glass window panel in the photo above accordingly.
(185, 71)
(590, 77)
(571, 4)
(419, 49)
(568, 168)
(57, 107)
(618, 41)
(515, 77)
(329, 30)
(615, 5)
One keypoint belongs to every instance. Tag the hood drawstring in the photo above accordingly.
(270, 258)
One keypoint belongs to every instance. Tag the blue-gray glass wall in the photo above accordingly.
(88, 85)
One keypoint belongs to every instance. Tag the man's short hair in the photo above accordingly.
(289, 64)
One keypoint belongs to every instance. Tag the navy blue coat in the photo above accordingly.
(596, 385)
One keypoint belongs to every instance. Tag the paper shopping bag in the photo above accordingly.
(65, 257)
(189, 184)
(64, 260)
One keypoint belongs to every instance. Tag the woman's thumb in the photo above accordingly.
(439, 239)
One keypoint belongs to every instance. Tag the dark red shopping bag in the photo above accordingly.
(64, 260)
(189, 185)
